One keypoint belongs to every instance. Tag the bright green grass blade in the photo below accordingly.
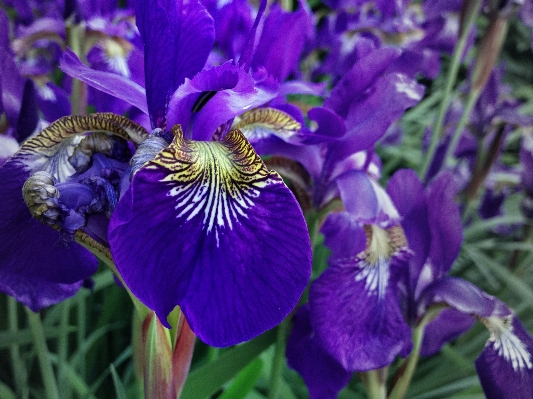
(207, 379)
(244, 382)
(120, 390)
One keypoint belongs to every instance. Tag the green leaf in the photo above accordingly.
(120, 390)
(207, 379)
(6, 392)
(23, 337)
(125, 355)
(515, 283)
(480, 227)
(82, 350)
(244, 381)
(75, 381)
(447, 390)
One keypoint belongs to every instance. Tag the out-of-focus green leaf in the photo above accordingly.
(125, 355)
(75, 381)
(448, 390)
(23, 337)
(120, 390)
(515, 283)
(207, 379)
(480, 227)
(6, 392)
(244, 382)
(90, 340)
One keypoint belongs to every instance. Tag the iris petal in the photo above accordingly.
(356, 315)
(34, 268)
(224, 239)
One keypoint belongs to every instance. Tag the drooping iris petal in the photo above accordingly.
(323, 375)
(177, 37)
(223, 238)
(38, 265)
(35, 268)
(505, 367)
(354, 305)
(341, 228)
(356, 314)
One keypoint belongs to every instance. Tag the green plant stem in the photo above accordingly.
(375, 384)
(19, 371)
(400, 389)
(470, 102)
(79, 89)
(279, 358)
(47, 372)
(451, 78)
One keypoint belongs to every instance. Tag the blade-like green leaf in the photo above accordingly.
(244, 381)
(6, 392)
(205, 380)
(515, 283)
(120, 390)
(23, 337)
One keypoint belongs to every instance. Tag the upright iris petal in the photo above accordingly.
(227, 239)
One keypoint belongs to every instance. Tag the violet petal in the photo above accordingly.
(221, 237)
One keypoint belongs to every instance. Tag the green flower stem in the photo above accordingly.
(278, 360)
(400, 389)
(19, 371)
(374, 384)
(451, 78)
(78, 98)
(47, 372)
(470, 102)
(408, 368)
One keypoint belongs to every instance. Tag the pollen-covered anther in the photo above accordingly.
(506, 343)
(40, 196)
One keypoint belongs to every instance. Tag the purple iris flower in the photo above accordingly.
(67, 178)
(432, 225)
(216, 232)
(354, 308)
